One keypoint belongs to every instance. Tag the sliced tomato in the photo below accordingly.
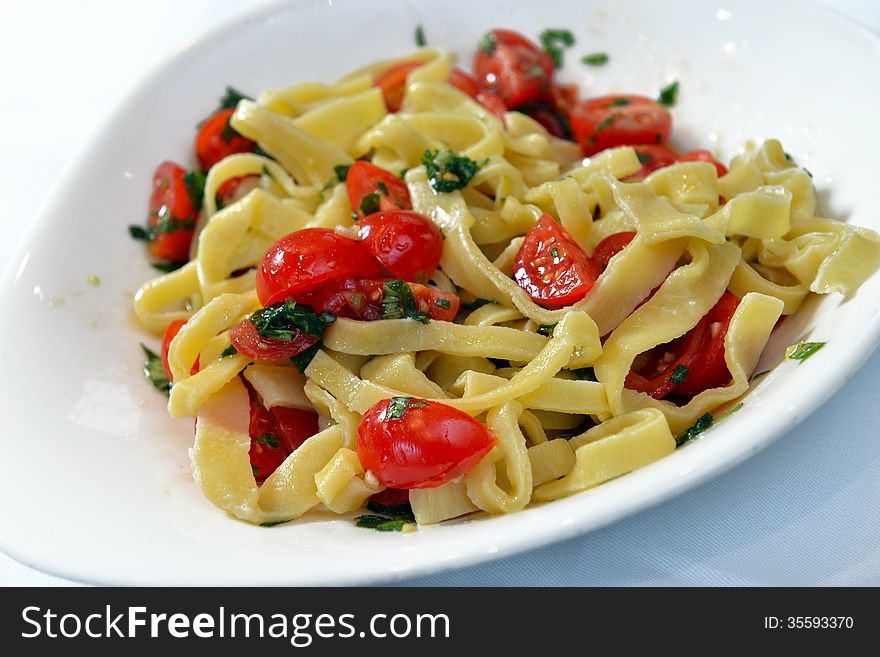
(236, 188)
(700, 155)
(170, 333)
(698, 356)
(365, 179)
(415, 443)
(551, 267)
(619, 120)
(610, 247)
(172, 214)
(302, 261)
(653, 157)
(248, 341)
(392, 82)
(408, 244)
(295, 425)
(275, 434)
(217, 139)
(469, 85)
(358, 298)
(512, 67)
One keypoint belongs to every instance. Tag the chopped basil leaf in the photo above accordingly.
(443, 303)
(285, 321)
(271, 523)
(703, 422)
(553, 41)
(595, 59)
(232, 98)
(228, 132)
(269, 439)
(585, 373)
(554, 252)
(679, 374)
(255, 470)
(487, 44)
(603, 124)
(807, 171)
(386, 518)
(476, 303)
(398, 302)
(803, 350)
(760, 375)
(620, 102)
(167, 267)
(340, 172)
(195, 186)
(401, 511)
(402, 174)
(229, 351)
(379, 523)
(139, 233)
(668, 95)
(397, 407)
(644, 158)
(420, 36)
(547, 329)
(370, 203)
(382, 188)
(303, 358)
(448, 171)
(155, 372)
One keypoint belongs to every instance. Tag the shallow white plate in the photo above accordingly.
(95, 478)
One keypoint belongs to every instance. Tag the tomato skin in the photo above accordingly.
(392, 82)
(170, 333)
(700, 155)
(302, 261)
(364, 178)
(653, 157)
(468, 84)
(610, 247)
(701, 350)
(248, 341)
(358, 298)
(516, 70)
(170, 203)
(216, 139)
(408, 244)
(619, 120)
(290, 426)
(295, 425)
(235, 188)
(429, 445)
(553, 280)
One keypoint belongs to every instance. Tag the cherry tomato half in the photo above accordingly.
(235, 188)
(610, 247)
(172, 215)
(170, 333)
(302, 261)
(700, 155)
(275, 434)
(469, 85)
(392, 82)
(358, 298)
(216, 139)
(365, 179)
(653, 157)
(248, 341)
(416, 443)
(551, 267)
(509, 65)
(700, 351)
(608, 121)
(408, 244)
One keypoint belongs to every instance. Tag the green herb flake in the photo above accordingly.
(386, 518)
(547, 329)
(585, 374)
(228, 132)
(447, 171)
(269, 439)
(285, 321)
(398, 302)
(476, 303)
(553, 41)
(232, 98)
(340, 175)
(669, 95)
(644, 158)
(271, 523)
(397, 408)
(401, 511)
(595, 59)
(255, 470)
(620, 102)
(195, 187)
(421, 42)
(554, 252)
(303, 358)
(443, 303)
(487, 44)
(370, 203)
(167, 267)
(229, 351)
(803, 350)
(703, 422)
(603, 125)
(760, 375)
(679, 374)
(139, 233)
(155, 372)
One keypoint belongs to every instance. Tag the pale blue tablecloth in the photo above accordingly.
(805, 511)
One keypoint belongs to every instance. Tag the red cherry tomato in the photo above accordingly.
(275, 434)
(610, 247)
(236, 188)
(302, 261)
(248, 341)
(416, 443)
(408, 244)
(509, 65)
(700, 350)
(608, 121)
(295, 425)
(392, 82)
(170, 333)
(703, 156)
(653, 157)
(365, 178)
(549, 117)
(172, 214)
(358, 298)
(469, 85)
(551, 267)
(216, 139)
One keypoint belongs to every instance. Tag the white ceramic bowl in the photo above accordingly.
(95, 478)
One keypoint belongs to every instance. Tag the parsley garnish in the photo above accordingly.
(679, 374)
(155, 372)
(803, 350)
(139, 233)
(547, 329)
(585, 374)
(476, 303)
(370, 203)
(269, 439)
(760, 375)
(443, 303)
(195, 186)
(303, 358)
(703, 422)
(398, 302)
(397, 407)
(620, 102)
(228, 132)
(554, 252)
(603, 124)
(595, 59)
(448, 171)
(232, 98)
(668, 95)
(386, 518)
(167, 267)
(487, 43)
(269, 523)
(644, 158)
(229, 351)
(285, 321)
(339, 176)
(420, 36)
(554, 41)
